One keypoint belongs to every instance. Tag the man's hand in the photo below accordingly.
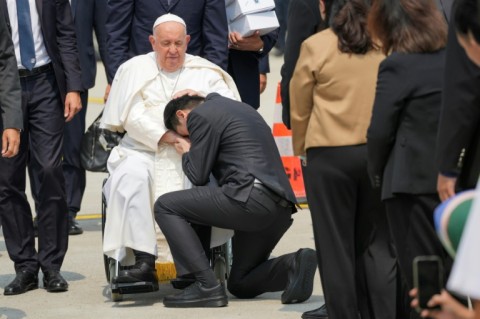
(188, 92)
(107, 93)
(446, 186)
(250, 43)
(170, 137)
(263, 82)
(73, 105)
(450, 307)
(182, 145)
(10, 142)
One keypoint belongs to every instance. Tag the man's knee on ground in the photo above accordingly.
(240, 289)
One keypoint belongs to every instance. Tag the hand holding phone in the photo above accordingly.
(427, 278)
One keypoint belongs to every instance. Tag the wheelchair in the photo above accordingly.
(220, 258)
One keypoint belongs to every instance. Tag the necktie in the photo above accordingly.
(27, 48)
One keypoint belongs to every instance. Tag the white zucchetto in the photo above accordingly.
(168, 17)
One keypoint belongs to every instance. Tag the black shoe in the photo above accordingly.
(196, 295)
(54, 282)
(140, 272)
(320, 313)
(300, 279)
(23, 282)
(74, 228)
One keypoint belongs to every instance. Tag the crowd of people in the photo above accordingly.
(383, 102)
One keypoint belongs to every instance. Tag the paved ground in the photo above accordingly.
(88, 296)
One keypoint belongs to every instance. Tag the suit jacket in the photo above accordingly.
(243, 66)
(303, 21)
(130, 22)
(233, 142)
(330, 107)
(458, 151)
(10, 92)
(89, 16)
(60, 41)
(401, 138)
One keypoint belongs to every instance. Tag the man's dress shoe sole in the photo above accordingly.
(301, 288)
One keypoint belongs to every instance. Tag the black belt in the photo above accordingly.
(24, 72)
(272, 195)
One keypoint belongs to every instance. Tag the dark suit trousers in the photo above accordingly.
(411, 223)
(75, 175)
(72, 168)
(42, 140)
(356, 275)
(259, 224)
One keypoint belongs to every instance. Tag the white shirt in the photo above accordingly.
(41, 55)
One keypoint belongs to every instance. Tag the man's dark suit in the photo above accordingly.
(43, 96)
(89, 16)
(459, 127)
(231, 140)
(130, 22)
(401, 147)
(243, 66)
(10, 92)
(303, 20)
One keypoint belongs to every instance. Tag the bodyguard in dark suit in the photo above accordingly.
(458, 150)
(231, 140)
(47, 57)
(129, 23)
(243, 63)
(10, 94)
(89, 16)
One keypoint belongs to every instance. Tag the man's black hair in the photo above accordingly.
(467, 18)
(185, 102)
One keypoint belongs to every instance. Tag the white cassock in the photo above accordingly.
(140, 169)
(465, 276)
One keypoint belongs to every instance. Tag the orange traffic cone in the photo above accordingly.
(283, 138)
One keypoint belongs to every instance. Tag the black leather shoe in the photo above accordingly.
(23, 282)
(140, 272)
(196, 295)
(320, 313)
(300, 279)
(54, 282)
(74, 228)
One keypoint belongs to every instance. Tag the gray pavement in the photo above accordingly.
(88, 296)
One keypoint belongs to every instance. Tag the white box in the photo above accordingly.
(240, 8)
(246, 25)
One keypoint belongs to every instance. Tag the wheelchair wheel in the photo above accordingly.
(221, 260)
(106, 262)
(220, 269)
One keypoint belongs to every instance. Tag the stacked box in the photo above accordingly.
(248, 16)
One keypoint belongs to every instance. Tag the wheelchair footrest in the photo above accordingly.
(134, 287)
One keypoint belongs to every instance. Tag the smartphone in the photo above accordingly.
(427, 278)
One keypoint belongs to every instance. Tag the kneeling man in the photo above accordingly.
(231, 141)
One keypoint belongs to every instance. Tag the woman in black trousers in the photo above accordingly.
(331, 95)
(402, 134)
